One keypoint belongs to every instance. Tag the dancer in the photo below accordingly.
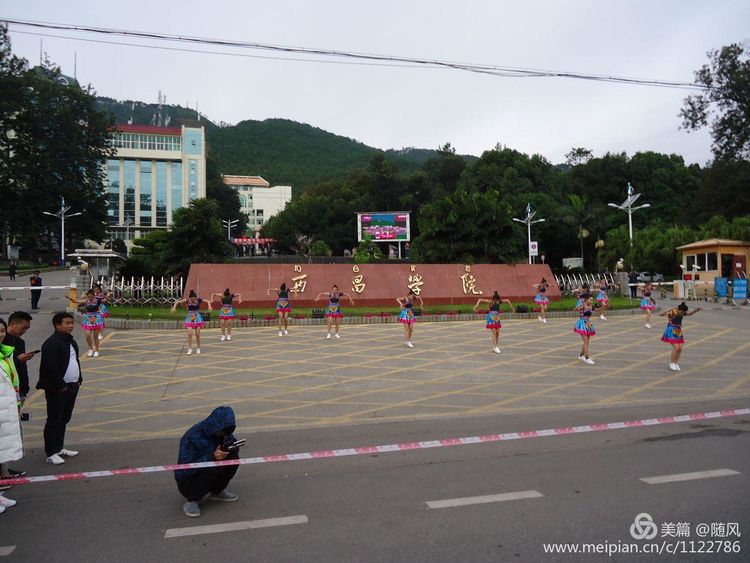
(493, 317)
(193, 320)
(91, 322)
(542, 300)
(581, 291)
(602, 299)
(647, 303)
(226, 315)
(283, 308)
(585, 327)
(102, 297)
(407, 317)
(673, 332)
(334, 313)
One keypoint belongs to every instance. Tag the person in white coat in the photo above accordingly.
(11, 443)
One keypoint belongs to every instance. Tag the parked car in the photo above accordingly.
(644, 277)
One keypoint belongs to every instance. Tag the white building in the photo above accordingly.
(155, 171)
(258, 199)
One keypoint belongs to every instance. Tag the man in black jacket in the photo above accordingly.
(18, 323)
(60, 377)
(35, 281)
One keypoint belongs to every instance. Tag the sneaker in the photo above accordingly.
(409, 344)
(55, 459)
(286, 332)
(589, 361)
(337, 335)
(648, 325)
(678, 367)
(602, 317)
(96, 353)
(544, 321)
(13, 473)
(582, 358)
(7, 502)
(5, 487)
(224, 496)
(229, 337)
(281, 333)
(190, 351)
(539, 318)
(101, 337)
(90, 353)
(672, 366)
(223, 338)
(191, 509)
(67, 453)
(328, 336)
(2, 509)
(496, 350)
(197, 350)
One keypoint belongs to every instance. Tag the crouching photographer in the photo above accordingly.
(209, 440)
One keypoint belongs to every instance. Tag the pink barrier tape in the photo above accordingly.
(404, 446)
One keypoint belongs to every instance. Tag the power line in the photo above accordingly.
(494, 70)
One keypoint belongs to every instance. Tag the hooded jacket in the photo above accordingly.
(11, 442)
(199, 444)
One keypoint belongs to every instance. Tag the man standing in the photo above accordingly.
(60, 378)
(18, 323)
(12, 269)
(35, 281)
(632, 282)
(206, 441)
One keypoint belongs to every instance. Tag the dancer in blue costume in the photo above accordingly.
(647, 303)
(585, 327)
(334, 312)
(406, 317)
(493, 317)
(91, 321)
(283, 308)
(226, 314)
(193, 320)
(673, 332)
(542, 300)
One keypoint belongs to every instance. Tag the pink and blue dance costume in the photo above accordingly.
(282, 303)
(103, 311)
(647, 304)
(92, 319)
(602, 297)
(193, 319)
(673, 332)
(493, 317)
(407, 315)
(334, 309)
(584, 325)
(541, 296)
(227, 311)
(580, 299)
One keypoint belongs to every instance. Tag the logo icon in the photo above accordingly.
(643, 528)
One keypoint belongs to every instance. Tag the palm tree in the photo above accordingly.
(578, 214)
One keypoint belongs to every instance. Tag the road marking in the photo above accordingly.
(235, 526)
(659, 479)
(7, 550)
(484, 499)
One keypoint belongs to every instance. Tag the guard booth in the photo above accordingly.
(96, 262)
(704, 260)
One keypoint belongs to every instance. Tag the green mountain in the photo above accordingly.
(282, 151)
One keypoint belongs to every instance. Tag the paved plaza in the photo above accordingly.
(144, 386)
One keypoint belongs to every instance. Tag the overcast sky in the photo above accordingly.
(388, 107)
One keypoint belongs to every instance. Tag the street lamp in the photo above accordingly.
(128, 223)
(627, 206)
(528, 222)
(62, 215)
(229, 223)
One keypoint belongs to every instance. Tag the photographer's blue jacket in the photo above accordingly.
(199, 444)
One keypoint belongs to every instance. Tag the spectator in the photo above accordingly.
(205, 442)
(632, 282)
(35, 281)
(11, 443)
(18, 323)
(12, 269)
(60, 378)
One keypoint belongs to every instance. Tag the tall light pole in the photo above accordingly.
(62, 215)
(128, 224)
(229, 223)
(528, 222)
(627, 206)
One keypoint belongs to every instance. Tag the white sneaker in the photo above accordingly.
(589, 361)
(496, 350)
(678, 367)
(90, 353)
(190, 351)
(672, 366)
(67, 453)
(539, 318)
(96, 354)
(101, 337)
(197, 350)
(55, 459)
(6, 502)
(223, 338)
(648, 325)
(328, 336)
(286, 332)
(581, 357)
(337, 335)
(602, 317)
(229, 337)
(2, 509)
(544, 320)
(409, 344)
(281, 333)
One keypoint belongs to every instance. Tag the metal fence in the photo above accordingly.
(142, 291)
(570, 282)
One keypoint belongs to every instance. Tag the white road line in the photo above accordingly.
(688, 476)
(235, 526)
(7, 550)
(502, 497)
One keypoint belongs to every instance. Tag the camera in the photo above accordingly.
(231, 444)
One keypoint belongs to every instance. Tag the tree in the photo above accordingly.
(147, 256)
(578, 155)
(726, 79)
(578, 215)
(320, 248)
(367, 251)
(228, 199)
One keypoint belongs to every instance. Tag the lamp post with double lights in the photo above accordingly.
(229, 223)
(528, 221)
(62, 215)
(627, 206)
